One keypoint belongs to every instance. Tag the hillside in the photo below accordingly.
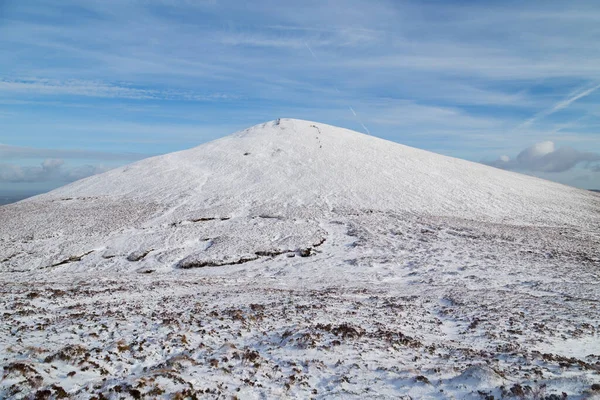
(296, 259)
(285, 170)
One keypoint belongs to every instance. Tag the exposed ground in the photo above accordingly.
(387, 306)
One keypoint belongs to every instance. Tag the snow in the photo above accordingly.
(296, 259)
(573, 347)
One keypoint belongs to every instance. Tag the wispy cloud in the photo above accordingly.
(54, 87)
(94, 72)
(561, 105)
(8, 152)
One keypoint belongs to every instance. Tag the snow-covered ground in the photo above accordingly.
(296, 259)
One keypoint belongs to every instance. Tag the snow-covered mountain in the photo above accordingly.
(285, 170)
(298, 259)
(286, 164)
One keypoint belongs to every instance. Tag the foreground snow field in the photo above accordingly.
(300, 260)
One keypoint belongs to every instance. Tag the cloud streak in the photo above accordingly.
(561, 105)
(55, 87)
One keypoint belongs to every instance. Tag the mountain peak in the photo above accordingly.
(287, 162)
(288, 170)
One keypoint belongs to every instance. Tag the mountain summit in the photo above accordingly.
(287, 163)
(284, 170)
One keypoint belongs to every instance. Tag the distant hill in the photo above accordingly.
(8, 198)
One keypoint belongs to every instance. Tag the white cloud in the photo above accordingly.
(535, 152)
(545, 157)
(50, 170)
(52, 164)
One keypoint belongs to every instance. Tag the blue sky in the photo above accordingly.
(86, 85)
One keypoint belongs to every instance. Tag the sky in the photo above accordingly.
(87, 85)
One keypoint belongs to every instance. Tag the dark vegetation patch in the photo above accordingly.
(303, 252)
(70, 260)
(9, 258)
(188, 264)
(566, 362)
(138, 255)
(267, 216)
(343, 330)
(22, 369)
(200, 219)
(68, 353)
(205, 219)
(396, 337)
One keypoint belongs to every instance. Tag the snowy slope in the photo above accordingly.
(294, 260)
(292, 163)
(286, 170)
